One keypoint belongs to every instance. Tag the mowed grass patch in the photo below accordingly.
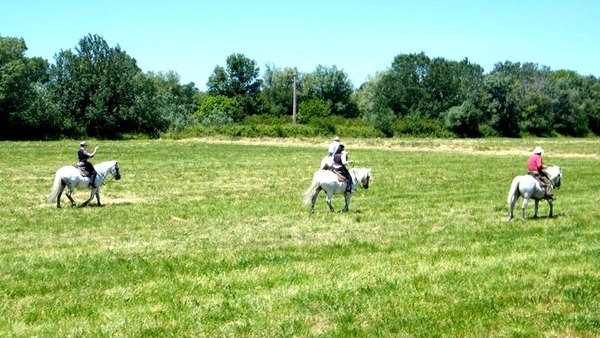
(208, 237)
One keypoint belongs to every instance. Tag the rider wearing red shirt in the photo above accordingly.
(535, 168)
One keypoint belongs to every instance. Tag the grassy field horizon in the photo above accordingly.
(208, 237)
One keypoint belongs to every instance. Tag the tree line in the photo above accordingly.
(99, 91)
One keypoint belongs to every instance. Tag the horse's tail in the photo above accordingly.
(307, 195)
(513, 193)
(55, 189)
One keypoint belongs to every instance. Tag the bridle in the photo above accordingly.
(110, 178)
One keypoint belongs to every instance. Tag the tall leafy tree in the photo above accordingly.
(332, 86)
(239, 79)
(278, 91)
(571, 118)
(22, 100)
(501, 107)
(591, 103)
(406, 77)
(94, 88)
(372, 108)
(176, 104)
(534, 90)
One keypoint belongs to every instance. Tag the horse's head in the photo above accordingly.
(363, 176)
(554, 175)
(115, 171)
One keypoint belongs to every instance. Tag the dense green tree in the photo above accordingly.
(332, 86)
(175, 104)
(23, 103)
(501, 109)
(313, 108)
(220, 105)
(94, 88)
(591, 103)
(464, 120)
(537, 116)
(534, 88)
(239, 80)
(372, 108)
(401, 89)
(278, 91)
(440, 89)
(571, 118)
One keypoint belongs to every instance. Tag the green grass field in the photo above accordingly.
(208, 237)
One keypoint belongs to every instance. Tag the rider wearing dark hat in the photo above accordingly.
(83, 161)
(340, 159)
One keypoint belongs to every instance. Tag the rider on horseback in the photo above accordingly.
(536, 168)
(83, 161)
(340, 159)
(334, 145)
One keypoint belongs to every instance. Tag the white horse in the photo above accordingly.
(328, 180)
(529, 187)
(69, 176)
(326, 163)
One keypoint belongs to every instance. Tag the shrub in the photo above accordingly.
(217, 118)
(267, 120)
(464, 120)
(220, 104)
(311, 109)
(419, 127)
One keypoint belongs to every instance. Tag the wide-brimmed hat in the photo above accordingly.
(538, 150)
(83, 143)
(337, 138)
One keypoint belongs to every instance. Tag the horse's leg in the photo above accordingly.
(314, 199)
(525, 202)
(60, 191)
(535, 208)
(347, 196)
(98, 197)
(69, 192)
(328, 200)
(511, 207)
(92, 193)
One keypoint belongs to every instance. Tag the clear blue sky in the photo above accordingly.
(360, 37)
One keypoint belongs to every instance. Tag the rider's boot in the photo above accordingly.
(93, 180)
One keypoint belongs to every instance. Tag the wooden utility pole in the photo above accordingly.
(294, 108)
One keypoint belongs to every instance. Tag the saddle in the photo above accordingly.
(339, 174)
(82, 171)
(538, 179)
(548, 188)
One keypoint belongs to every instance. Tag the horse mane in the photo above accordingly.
(554, 170)
(105, 164)
(362, 171)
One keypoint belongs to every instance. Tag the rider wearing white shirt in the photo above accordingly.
(333, 146)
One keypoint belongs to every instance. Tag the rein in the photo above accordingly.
(107, 178)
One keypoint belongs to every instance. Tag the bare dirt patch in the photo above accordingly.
(472, 146)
